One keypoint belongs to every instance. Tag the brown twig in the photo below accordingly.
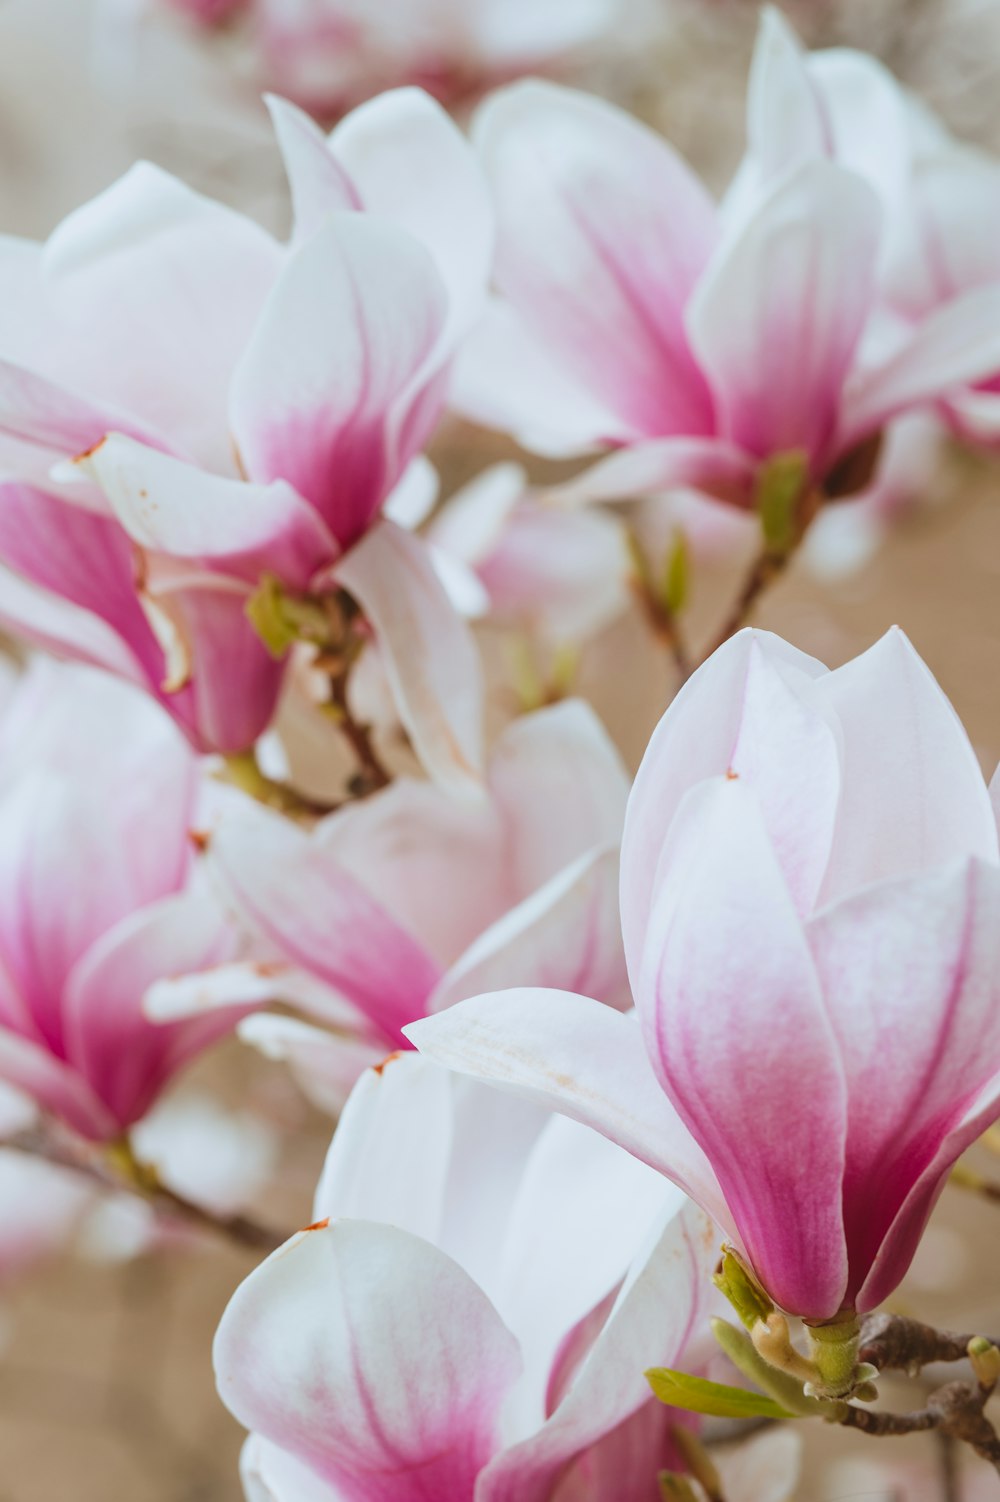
(116, 1169)
(655, 603)
(893, 1343)
(955, 1410)
(371, 774)
(766, 568)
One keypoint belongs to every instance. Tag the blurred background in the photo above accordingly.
(106, 1392)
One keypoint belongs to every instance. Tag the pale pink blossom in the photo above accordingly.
(210, 12)
(472, 1314)
(810, 905)
(329, 55)
(239, 407)
(696, 343)
(512, 557)
(99, 898)
(406, 902)
(941, 201)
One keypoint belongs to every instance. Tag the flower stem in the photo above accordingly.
(116, 1168)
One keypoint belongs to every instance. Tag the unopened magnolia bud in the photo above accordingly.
(985, 1358)
(742, 1289)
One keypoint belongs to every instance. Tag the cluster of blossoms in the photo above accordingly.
(763, 983)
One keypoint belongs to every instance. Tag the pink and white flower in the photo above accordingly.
(810, 904)
(330, 55)
(238, 407)
(472, 1314)
(99, 899)
(697, 343)
(406, 902)
(941, 201)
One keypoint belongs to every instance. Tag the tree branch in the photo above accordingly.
(893, 1343)
(116, 1169)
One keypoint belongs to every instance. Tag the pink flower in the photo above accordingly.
(697, 343)
(940, 197)
(403, 904)
(509, 555)
(331, 54)
(211, 12)
(98, 898)
(239, 408)
(438, 1335)
(810, 905)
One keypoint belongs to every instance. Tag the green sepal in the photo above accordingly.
(676, 584)
(266, 613)
(743, 1290)
(280, 619)
(697, 1395)
(780, 484)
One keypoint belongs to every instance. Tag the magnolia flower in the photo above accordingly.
(332, 54)
(509, 556)
(210, 12)
(699, 344)
(941, 199)
(810, 903)
(410, 900)
(237, 409)
(97, 898)
(437, 1336)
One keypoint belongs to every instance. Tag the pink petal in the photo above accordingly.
(326, 1066)
(585, 1060)
(411, 164)
(735, 1025)
(564, 573)
(390, 1157)
(653, 1319)
(319, 185)
(506, 376)
(235, 681)
(434, 862)
(785, 118)
(38, 411)
(436, 1155)
(82, 557)
(270, 1474)
(126, 1058)
(566, 936)
(561, 788)
(235, 527)
(372, 1358)
(912, 792)
(155, 290)
(710, 465)
(957, 346)
(430, 656)
(321, 917)
(776, 320)
(746, 702)
(603, 233)
(326, 391)
(576, 1190)
(55, 1086)
(910, 973)
(53, 624)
